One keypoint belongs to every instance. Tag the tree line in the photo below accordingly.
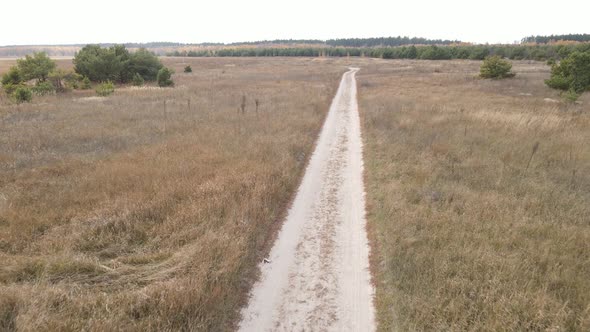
(388, 41)
(431, 52)
(579, 37)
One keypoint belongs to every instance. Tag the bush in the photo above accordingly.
(572, 73)
(100, 64)
(43, 88)
(9, 88)
(496, 68)
(37, 67)
(115, 63)
(12, 77)
(85, 84)
(145, 63)
(165, 77)
(188, 69)
(105, 89)
(22, 94)
(571, 95)
(138, 80)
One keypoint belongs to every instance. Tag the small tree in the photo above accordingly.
(36, 67)
(11, 80)
(13, 76)
(165, 77)
(138, 80)
(495, 67)
(86, 85)
(412, 52)
(146, 64)
(188, 69)
(105, 89)
(22, 94)
(571, 74)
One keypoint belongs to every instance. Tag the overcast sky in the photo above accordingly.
(78, 21)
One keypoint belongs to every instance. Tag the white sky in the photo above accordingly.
(96, 21)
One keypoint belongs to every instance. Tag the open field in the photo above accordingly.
(466, 237)
(140, 212)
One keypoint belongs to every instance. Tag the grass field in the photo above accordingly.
(149, 209)
(478, 198)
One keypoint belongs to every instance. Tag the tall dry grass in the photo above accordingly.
(149, 209)
(467, 235)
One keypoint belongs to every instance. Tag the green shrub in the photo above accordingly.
(101, 64)
(22, 94)
(11, 80)
(138, 80)
(85, 84)
(145, 63)
(188, 69)
(495, 67)
(105, 89)
(572, 73)
(115, 63)
(12, 77)
(9, 88)
(570, 95)
(43, 88)
(73, 79)
(165, 77)
(36, 67)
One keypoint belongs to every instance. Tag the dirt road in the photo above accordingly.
(318, 277)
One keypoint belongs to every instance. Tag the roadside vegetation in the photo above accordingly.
(478, 198)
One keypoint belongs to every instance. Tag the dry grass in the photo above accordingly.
(466, 238)
(118, 215)
(136, 212)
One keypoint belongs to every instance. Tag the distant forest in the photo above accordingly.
(580, 37)
(354, 42)
(387, 47)
(429, 52)
(388, 41)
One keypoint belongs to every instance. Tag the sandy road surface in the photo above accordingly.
(318, 278)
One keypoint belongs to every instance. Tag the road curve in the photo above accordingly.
(318, 277)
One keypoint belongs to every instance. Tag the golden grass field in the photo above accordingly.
(465, 237)
(123, 213)
(136, 212)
